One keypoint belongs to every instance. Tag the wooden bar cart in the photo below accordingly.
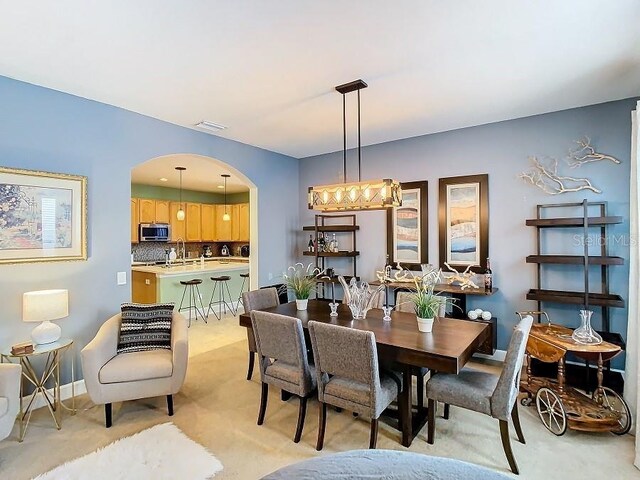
(561, 406)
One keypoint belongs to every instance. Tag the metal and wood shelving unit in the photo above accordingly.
(323, 224)
(586, 298)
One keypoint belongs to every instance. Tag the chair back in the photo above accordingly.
(404, 302)
(259, 299)
(506, 391)
(280, 338)
(345, 353)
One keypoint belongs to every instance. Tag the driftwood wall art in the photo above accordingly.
(546, 177)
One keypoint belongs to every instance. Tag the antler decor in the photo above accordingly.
(464, 278)
(547, 179)
(587, 154)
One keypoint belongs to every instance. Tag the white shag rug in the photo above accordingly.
(157, 453)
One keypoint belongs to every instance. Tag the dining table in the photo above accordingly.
(447, 348)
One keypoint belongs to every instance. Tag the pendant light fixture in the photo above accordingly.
(349, 196)
(180, 213)
(226, 217)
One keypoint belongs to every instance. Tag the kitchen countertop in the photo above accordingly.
(194, 267)
(191, 260)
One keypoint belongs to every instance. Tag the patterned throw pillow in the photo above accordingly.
(145, 327)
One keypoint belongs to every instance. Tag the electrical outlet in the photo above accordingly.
(121, 278)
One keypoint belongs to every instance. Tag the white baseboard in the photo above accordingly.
(65, 394)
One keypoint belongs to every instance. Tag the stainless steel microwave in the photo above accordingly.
(155, 232)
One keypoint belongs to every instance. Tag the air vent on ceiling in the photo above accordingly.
(210, 126)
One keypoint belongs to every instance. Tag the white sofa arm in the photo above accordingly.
(10, 389)
(98, 352)
(179, 349)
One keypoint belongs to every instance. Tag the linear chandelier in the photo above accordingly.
(349, 196)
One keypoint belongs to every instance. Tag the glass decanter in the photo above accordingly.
(584, 334)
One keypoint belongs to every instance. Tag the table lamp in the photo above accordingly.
(44, 306)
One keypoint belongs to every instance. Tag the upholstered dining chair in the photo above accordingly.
(282, 358)
(10, 375)
(118, 377)
(484, 392)
(257, 300)
(348, 375)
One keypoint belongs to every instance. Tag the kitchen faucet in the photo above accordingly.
(180, 239)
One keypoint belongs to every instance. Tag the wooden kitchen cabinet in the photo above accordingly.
(143, 287)
(223, 229)
(135, 220)
(194, 222)
(234, 210)
(147, 210)
(162, 211)
(178, 227)
(208, 216)
(244, 222)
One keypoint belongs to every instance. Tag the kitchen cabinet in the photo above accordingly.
(147, 210)
(143, 287)
(135, 220)
(177, 226)
(244, 222)
(162, 211)
(208, 216)
(223, 229)
(234, 210)
(194, 222)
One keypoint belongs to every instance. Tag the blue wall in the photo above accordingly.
(501, 150)
(44, 129)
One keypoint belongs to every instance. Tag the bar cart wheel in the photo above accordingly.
(551, 411)
(610, 400)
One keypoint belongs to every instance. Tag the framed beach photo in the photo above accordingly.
(463, 220)
(43, 216)
(407, 227)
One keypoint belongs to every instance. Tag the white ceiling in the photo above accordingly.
(267, 69)
(201, 174)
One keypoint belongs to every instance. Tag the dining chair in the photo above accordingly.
(282, 357)
(348, 375)
(257, 300)
(486, 393)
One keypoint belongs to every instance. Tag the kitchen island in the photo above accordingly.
(158, 283)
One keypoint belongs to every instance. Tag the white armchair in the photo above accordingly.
(9, 396)
(111, 377)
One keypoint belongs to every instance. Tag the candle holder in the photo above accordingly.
(334, 309)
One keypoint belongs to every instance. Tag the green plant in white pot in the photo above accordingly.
(301, 282)
(426, 302)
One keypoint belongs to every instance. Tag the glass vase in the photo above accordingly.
(359, 297)
(584, 334)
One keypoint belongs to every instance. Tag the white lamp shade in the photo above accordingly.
(226, 217)
(45, 305)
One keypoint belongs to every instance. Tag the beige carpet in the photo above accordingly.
(217, 408)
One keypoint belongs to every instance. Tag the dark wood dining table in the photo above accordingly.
(446, 349)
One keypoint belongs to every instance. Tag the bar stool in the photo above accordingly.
(244, 277)
(220, 283)
(194, 292)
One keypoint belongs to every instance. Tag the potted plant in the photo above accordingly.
(426, 302)
(302, 282)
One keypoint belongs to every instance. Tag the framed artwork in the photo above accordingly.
(43, 216)
(407, 227)
(463, 220)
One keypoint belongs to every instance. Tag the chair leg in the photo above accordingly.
(302, 411)
(263, 403)
(107, 415)
(322, 425)
(446, 411)
(515, 416)
(506, 445)
(170, 405)
(431, 427)
(373, 438)
(252, 359)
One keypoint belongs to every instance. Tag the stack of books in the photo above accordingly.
(22, 348)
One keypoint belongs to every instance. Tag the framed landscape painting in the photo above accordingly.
(43, 216)
(407, 227)
(463, 218)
